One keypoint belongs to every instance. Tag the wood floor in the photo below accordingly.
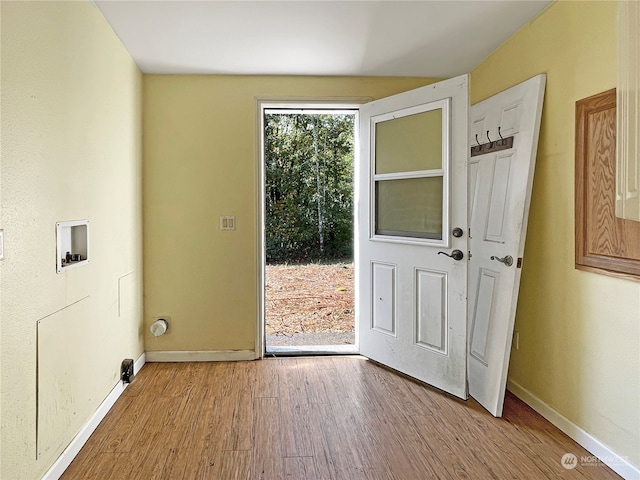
(339, 418)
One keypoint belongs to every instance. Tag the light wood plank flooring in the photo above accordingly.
(339, 418)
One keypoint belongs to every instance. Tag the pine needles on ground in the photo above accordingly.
(309, 298)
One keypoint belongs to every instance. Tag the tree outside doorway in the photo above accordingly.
(309, 160)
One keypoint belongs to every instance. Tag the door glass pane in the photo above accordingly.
(409, 208)
(410, 143)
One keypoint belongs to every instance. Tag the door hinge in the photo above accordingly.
(519, 263)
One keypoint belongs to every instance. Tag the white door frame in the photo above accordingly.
(262, 103)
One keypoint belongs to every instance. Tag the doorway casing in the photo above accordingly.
(292, 103)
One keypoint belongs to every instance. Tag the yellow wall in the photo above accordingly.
(71, 142)
(579, 332)
(200, 163)
(70, 149)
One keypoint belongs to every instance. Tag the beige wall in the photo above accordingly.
(579, 332)
(200, 163)
(70, 149)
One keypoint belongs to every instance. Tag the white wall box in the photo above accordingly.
(72, 245)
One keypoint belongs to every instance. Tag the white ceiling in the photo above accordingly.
(304, 37)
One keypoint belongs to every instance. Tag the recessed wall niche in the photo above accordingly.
(72, 244)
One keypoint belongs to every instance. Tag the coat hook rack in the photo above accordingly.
(492, 146)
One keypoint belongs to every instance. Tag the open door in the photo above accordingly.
(412, 233)
(504, 138)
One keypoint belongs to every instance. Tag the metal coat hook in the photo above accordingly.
(492, 146)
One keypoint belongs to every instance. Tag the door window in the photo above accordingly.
(409, 173)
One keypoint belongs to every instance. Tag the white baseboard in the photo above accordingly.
(201, 356)
(69, 453)
(139, 363)
(607, 456)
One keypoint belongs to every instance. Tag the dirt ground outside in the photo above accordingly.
(311, 302)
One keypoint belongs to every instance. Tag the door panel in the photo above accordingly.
(412, 188)
(510, 119)
(473, 187)
(383, 299)
(431, 322)
(481, 315)
(498, 197)
(500, 193)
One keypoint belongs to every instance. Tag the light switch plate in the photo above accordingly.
(1, 244)
(228, 222)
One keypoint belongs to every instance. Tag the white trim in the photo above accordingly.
(312, 350)
(260, 207)
(436, 172)
(310, 111)
(323, 103)
(201, 356)
(139, 363)
(616, 463)
(266, 103)
(66, 457)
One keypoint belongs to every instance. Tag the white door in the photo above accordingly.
(412, 182)
(500, 182)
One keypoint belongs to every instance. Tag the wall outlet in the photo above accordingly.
(228, 222)
(126, 370)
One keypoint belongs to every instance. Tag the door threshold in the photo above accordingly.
(295, 350)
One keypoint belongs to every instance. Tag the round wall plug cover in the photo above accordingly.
(159, 327)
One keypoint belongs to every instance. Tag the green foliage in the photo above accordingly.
(309, 186)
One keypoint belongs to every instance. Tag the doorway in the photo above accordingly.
(414, 248)
(307, 178)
